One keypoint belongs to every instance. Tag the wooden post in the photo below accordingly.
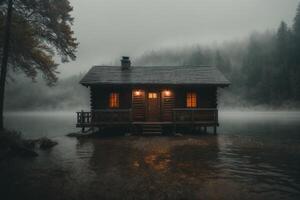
(215, 130)
(205, 129)
(174, 129)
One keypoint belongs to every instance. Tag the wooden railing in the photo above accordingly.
(187, 115)
(104, 116)
(124, 116)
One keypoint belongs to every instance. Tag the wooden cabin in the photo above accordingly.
(152, 99)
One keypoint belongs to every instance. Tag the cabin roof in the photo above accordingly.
(171, 75)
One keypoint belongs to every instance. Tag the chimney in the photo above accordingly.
(125, 63)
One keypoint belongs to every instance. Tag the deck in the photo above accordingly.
(180, 116)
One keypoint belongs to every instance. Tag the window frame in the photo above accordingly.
(191, 100)
(152, 95)
(114, 100)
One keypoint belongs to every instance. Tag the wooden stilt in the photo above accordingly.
(205, 129)
(215, 130)
(174, 129)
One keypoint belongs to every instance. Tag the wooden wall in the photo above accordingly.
(100, 97)
(139, 106)
(167, 105)
(206, 98)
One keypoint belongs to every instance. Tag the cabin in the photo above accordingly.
(152, 99)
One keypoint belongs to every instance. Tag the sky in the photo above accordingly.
(109, 29)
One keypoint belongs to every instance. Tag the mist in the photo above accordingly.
(108, 29)
(219, 33)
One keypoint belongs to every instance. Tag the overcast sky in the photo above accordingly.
(108, 29)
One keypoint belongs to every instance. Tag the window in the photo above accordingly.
(191, 100)
(114, 100)
(152, 95)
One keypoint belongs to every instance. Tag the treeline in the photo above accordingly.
(24, 95)
(264, 69)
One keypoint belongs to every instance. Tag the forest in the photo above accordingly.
(264, 70)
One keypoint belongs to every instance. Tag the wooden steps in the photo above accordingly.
(151, 129)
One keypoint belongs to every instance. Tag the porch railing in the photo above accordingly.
(195, 115)
(104, 116)
(123, 116)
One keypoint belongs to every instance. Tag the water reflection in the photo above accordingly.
(158, 159)
(142, 167)
(251, 158)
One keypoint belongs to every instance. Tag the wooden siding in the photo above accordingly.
(206, 98)
(167, 105)
(100, 97)
(138, 106)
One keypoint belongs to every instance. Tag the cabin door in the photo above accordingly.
(153, 107)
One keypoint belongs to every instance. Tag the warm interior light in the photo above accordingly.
(167, 93)
(137, 93)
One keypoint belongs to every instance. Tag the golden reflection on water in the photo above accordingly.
(159, 159)
(156, 159)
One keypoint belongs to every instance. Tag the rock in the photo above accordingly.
(128, 134)
(178, 135)
(88, 133)
(12, 144)
(79, 134)
(24, 152)
(46, 143)
(31, 144)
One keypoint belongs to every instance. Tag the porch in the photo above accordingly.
(203, 117)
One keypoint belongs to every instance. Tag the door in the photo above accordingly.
(153, 107)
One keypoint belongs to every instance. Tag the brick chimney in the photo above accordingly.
(125, 63)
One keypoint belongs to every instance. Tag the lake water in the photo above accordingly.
(256, 155)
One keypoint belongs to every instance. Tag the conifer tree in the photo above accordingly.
(32, 33)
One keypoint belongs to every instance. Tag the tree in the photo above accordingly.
(282, 62)
(223, 63)
(295, 75)
(296, 33)
(34, 33)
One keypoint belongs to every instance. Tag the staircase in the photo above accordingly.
(151, 129)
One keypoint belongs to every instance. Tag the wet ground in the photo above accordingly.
(254, 156)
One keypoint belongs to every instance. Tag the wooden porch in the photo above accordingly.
(203, 117)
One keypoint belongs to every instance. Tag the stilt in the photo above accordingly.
(215, 130)
(82, 129)
(205, 129)
(174, 129)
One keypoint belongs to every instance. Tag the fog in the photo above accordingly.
(108, 29)
(244, 39)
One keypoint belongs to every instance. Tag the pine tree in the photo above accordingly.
(223, 63)
(296, 56)
(296, 32)
(282, 64)
(34, 33)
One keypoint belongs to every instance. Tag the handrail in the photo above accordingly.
(111, 110)
(196, 109)
(182, 115)
(104, 115)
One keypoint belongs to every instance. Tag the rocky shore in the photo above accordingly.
(13, 145)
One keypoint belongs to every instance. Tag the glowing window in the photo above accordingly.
(191, 100)
(114, 100)
(152, 95)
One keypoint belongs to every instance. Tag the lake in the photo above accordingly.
(256, 155)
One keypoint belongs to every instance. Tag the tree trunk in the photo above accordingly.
(5, 59)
